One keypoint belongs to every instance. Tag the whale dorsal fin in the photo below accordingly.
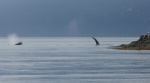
(19, 43)
(96, 41)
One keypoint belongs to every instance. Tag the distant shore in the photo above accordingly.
(143, 43)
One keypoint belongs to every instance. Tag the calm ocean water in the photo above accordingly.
(72, 60)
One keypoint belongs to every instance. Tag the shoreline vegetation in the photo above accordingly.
(143, 43)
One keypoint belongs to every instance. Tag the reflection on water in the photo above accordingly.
(72, 60)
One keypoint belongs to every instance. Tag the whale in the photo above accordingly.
(19, 43)
(96, 41)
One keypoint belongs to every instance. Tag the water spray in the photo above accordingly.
(14, 39)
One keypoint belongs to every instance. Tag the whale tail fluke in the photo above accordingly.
(96, 41)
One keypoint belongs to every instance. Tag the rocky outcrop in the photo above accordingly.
(143, 43)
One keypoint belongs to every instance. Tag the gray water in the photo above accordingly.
(72, 60)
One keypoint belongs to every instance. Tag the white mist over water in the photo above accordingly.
(73, 27)
(13, 39)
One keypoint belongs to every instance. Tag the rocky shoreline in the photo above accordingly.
(143, 43)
